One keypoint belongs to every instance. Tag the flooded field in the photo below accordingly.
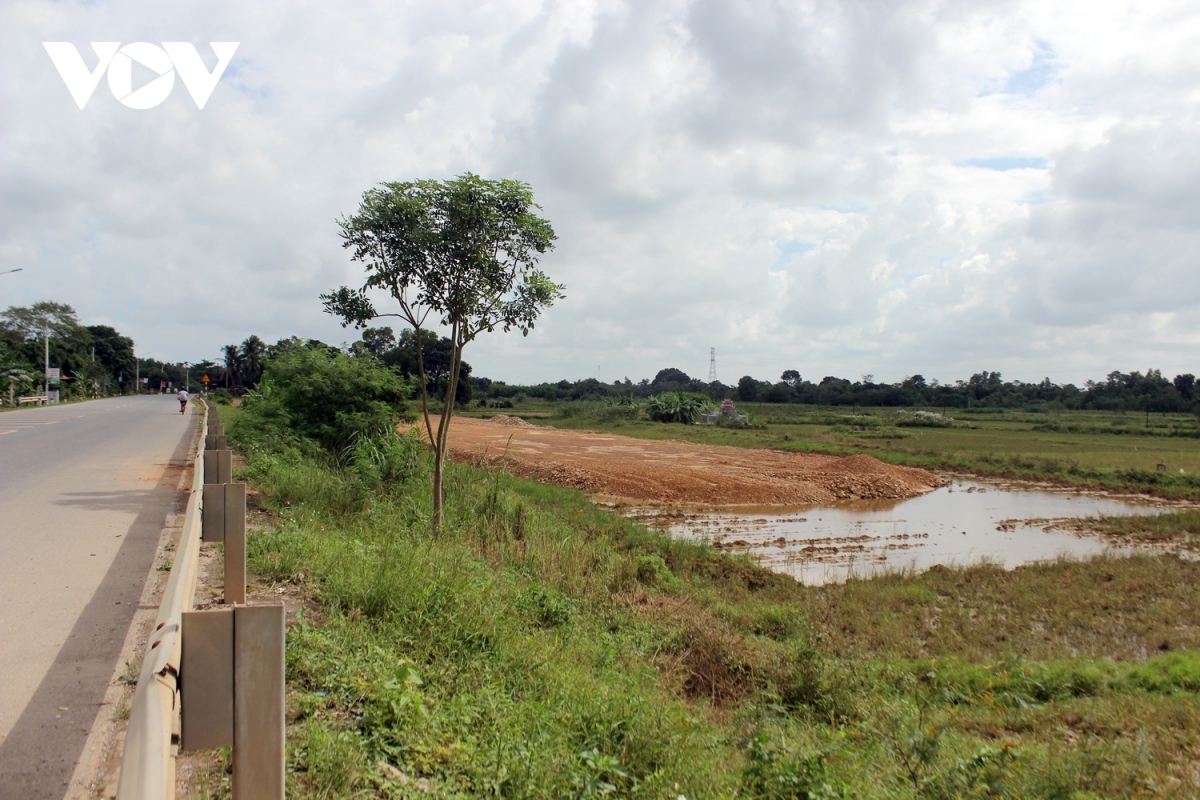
(962, 523)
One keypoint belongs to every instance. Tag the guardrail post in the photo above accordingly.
(232, 687)
(235, 543)
(218, 466)
(212, 516)
(258, 702)
(206, 664)
(210, 466)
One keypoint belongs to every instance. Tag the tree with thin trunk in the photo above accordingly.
(460, 253)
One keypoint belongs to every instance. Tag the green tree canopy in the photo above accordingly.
(250, 360)
(31, 322)
(377, 341)
(670, 380)
(113, 351)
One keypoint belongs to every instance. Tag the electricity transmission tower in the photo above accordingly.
(712, 364)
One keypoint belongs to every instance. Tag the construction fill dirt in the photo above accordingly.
(646, 471)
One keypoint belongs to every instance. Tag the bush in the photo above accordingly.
(684, 407)
(384, 459)
(327, 397)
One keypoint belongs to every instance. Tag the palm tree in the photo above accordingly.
(233, 362)
(253, 352)
(15, 376)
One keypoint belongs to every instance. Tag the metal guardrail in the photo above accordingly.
(152, 737)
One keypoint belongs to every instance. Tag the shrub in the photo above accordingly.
(327, 397)
(683, 407)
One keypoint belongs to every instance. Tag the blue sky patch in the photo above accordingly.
(1005, 163)
(789, 250)
(1042, 71)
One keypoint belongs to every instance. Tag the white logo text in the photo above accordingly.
(165, 61)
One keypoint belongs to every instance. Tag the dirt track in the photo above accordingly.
(652, 471)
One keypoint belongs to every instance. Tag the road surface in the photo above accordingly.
(85, 490)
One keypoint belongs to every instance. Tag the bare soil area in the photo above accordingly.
(652, 471)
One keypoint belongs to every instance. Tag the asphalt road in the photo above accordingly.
(85, 490)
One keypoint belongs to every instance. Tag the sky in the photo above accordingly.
(840, 188)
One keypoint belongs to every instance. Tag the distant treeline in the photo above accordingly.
(92, 360)
(1134, 391)
(98, 359)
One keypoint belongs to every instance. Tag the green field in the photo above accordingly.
(539, 646)
(1104, 450)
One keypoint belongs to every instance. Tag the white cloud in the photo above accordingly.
(683, 150)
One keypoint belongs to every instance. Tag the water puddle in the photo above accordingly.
(962, 523)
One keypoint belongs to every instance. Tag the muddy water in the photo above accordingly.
(961, 523)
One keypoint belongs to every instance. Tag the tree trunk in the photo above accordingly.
(443, 432)
(434, 442)
(437, 490)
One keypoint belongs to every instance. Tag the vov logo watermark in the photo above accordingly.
(172, 57)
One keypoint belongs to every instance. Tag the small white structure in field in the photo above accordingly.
(727, 414)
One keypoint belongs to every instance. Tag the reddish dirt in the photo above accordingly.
(654, 471)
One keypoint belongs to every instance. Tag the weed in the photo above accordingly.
(653, 571)
(776, 770)
(122, 710)
(130, 676)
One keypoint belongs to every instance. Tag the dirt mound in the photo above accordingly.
(867, 477)
(505, 419)
(651, 471)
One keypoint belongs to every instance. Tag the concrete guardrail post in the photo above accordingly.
(224, 520)
(212, 522)
(232, 688)
(207, 663)
(235, 543)
(218, 466)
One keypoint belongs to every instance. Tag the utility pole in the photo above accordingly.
(46, 337)
(712, 364)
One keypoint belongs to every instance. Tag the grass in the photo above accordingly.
(1087, 449)
(543, 647)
